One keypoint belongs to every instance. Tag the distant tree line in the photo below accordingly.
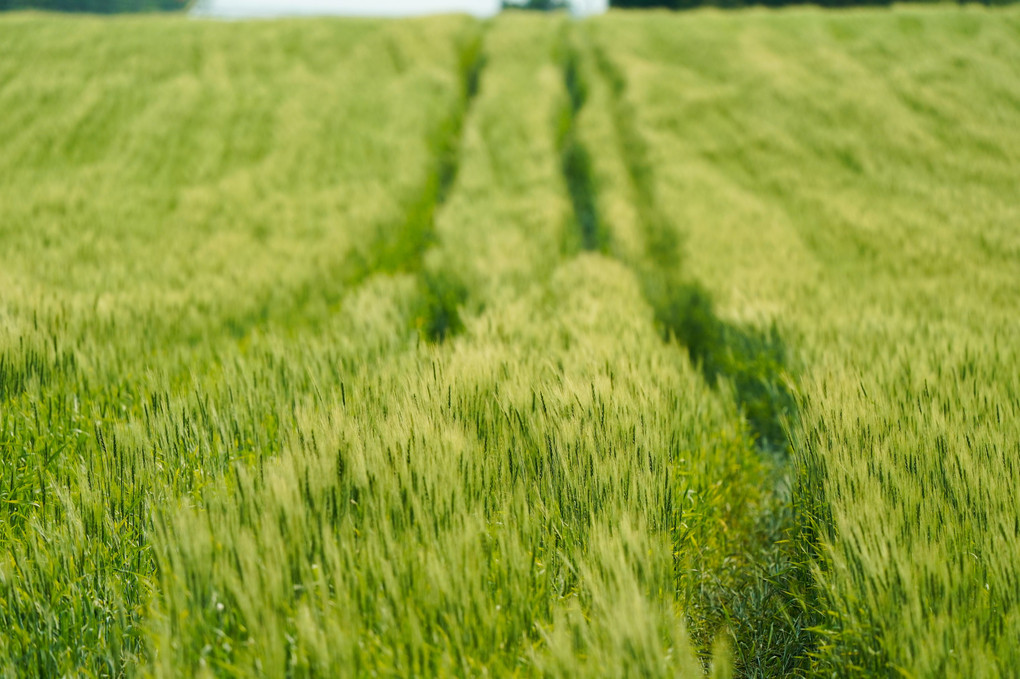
(96, 6)
(688, 4)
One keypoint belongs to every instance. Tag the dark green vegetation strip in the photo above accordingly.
(575, 157)
(754, 360)
(442, 292)
(760, 594)
(401, 247)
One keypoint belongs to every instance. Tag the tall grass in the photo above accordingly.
(651, 345)
(851, 177)
(502, 501)
(226, 449)
(164, 260)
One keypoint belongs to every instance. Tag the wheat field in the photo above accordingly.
(654, 344)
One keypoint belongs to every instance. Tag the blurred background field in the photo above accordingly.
(650, 344)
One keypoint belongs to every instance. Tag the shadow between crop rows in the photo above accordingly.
(764, 600)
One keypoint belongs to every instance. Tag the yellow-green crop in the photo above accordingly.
(852, 178)
(649, 345)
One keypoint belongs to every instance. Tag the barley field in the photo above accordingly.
(654, 344)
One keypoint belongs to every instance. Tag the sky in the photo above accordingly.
(269, 8)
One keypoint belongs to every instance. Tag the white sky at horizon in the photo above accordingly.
(237, 9)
